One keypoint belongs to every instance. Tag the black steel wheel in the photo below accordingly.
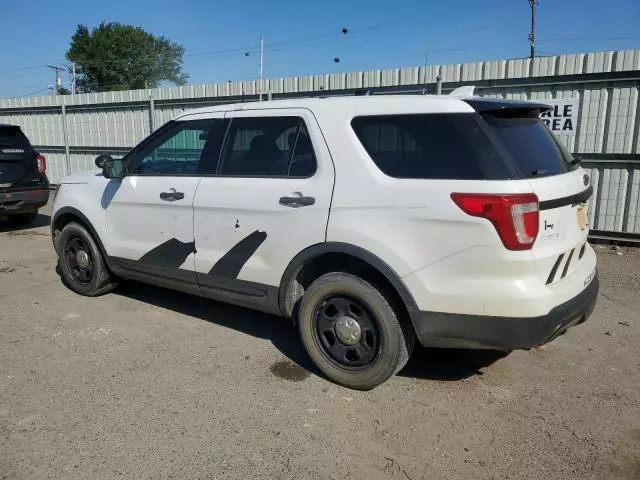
(82, 266)
(347, 331)
(78, 258)
(351, 332)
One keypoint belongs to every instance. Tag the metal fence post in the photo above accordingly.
(152, 110)
(65, 133)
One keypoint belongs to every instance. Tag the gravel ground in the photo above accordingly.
(147, 383)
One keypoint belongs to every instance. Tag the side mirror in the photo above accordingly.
(101, 159)
(113, 168)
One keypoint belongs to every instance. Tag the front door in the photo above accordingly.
(268, 200)
(149, 213)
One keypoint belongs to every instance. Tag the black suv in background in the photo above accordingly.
(24, 186)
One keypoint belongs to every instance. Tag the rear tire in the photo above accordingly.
(22, 219)
(83, 268)
(351, 332)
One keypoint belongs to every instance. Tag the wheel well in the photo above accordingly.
(340, 262)
(64, 218)
(61, 221)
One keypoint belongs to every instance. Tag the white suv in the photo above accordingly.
(368, 220)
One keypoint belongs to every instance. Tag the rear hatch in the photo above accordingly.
(18, 161)
(562, 187)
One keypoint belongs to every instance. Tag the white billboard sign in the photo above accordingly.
(562, 119)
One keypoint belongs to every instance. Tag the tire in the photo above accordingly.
(22, 219)
(352, 364)
(91, 281)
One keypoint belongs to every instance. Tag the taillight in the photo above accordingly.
(515, 217)
(42, 163)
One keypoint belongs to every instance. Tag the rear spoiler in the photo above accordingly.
(464, 91)
(499, 106)
(507, 108)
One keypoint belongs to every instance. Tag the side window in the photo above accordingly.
(179, 150)
(430, 146)
(303, 159)
(267, 146)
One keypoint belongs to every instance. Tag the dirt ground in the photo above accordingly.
(147, 383)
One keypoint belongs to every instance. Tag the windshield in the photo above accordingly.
(12, 137)
(530, 144)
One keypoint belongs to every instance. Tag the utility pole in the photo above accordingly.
(426, 63)
(532, 36)
(58, 83)
(261, 62)
(73, 78)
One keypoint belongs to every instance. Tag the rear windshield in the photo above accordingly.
(466, 146)
(531, 145)
(11, 137)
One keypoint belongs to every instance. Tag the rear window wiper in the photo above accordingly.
(540, 172)
(577, 160)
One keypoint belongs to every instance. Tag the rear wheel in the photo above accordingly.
(21, 219)
(81, 262)
(351, 332)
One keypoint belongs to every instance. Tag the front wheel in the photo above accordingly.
(351, 332)
(81, 262)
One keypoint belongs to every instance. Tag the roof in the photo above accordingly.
(354, 104)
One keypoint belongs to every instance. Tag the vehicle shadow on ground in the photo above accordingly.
(448, 364)
(282, 334)
(41, 220)
(425, 363)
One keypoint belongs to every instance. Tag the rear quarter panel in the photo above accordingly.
(409, 224)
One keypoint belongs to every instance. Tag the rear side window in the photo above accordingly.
(268, 147)
(530, 145)
(432, 146)
(11, 137)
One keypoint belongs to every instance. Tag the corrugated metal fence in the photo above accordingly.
(72, 130)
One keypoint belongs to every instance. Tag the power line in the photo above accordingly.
(228, 50)
(588, 37)
(331, 38)
(364, 32)
(367, 31)
(20, 69)
(29, 94)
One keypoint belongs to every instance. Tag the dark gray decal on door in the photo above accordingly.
(171, 253)
(231, 263)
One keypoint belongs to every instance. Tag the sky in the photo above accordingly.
(304, 37)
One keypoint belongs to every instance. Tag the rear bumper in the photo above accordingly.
(450, 330)
(23, 201)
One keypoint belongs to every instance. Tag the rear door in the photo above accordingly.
(267, 201)
(18, 163)
(563, 190)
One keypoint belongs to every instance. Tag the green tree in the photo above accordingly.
(123, 57)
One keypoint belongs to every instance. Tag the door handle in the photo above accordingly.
(297, 201)
(171, 195)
